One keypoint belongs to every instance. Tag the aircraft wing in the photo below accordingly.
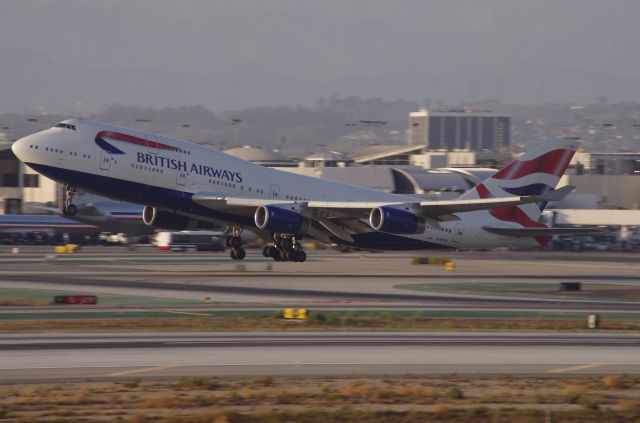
(54, 210)
(361, 209)
(340, 218)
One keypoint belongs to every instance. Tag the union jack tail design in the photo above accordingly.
(535, 173)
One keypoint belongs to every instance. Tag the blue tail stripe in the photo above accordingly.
(533, 189)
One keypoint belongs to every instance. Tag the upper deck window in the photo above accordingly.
(66, 125)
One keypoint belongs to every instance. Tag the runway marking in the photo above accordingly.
(142, 370)
(189, 313)
(573, 368)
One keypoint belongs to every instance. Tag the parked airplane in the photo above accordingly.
(43, 229)
(181, 183)
(110, 216)
(25, 223)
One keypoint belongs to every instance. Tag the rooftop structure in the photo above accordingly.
(327, 159)
(257, 155)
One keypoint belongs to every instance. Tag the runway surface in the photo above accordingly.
(150, 280)
(27, 357)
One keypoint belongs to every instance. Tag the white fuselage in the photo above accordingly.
(166, 172)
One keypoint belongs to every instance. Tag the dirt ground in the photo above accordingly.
(614, 398)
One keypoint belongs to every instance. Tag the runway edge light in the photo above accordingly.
(593, 321)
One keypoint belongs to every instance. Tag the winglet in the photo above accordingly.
(558, 194)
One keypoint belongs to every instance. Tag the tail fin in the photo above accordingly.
(536, 172)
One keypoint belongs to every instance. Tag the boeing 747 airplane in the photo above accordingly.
(180, 183)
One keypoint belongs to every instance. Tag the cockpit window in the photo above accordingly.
(66, 125)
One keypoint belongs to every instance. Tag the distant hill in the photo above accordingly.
(34, 82)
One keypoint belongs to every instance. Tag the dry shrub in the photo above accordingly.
(63, 412)
(395, 394)
(220, 419)
(493, 396)
(260, 381)
(455, 393)
(573, 393)
(140, 418)
(160, 402)
(539, 398)
(196, 382)
(84, 396)
(440, 408)
(29, 395)
(614, 381)
(134, 383)
(627, 405)
(288, 396)
(357, 391)
(430, 392)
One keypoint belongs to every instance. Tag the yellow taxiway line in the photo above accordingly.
(136, 371)
(574, 368)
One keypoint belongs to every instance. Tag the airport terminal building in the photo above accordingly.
(460, 129)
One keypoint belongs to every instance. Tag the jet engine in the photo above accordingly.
(151, 216)
(395, 221)
(279, 220)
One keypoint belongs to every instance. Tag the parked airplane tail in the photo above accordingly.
(536, 172)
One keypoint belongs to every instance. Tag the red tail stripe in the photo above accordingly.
(554, 162)
(513, 214)
(135, 140)
(483, 192)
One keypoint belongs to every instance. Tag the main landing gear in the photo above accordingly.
(68, 208)
(234, 242)
(285, 248)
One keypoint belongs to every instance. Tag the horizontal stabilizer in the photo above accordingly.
(530, 232)
(558, 194)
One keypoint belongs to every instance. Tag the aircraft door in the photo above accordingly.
(275, 191)
(182, 178)
(458, 232)
(105, 160)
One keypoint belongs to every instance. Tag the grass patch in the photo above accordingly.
(320, 321)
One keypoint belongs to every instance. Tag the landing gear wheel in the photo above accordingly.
(302, 256)
(70, 210)
(285, 244)
(275, 254)
(266, 251)
(240, 253)
(232, 254)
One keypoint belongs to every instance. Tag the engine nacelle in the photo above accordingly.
(151, 216)
(395, 221)
(279, 219)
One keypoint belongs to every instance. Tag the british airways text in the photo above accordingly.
(198, 169)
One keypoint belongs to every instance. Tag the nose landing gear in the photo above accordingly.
(234, 242)
(68, 208)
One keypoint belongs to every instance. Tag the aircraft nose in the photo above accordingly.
(19, 148)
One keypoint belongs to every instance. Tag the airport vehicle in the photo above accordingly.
(181, 183)
(198, 240)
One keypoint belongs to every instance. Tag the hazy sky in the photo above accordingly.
(333, 42)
